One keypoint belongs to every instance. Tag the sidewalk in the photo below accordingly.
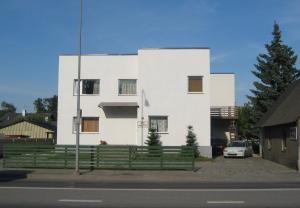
(219, 170)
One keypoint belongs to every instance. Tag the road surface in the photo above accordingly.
(76, 194)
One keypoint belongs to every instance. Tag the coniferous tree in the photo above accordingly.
(191, 140)
(154, 144)
(153, 138)
(275, 71)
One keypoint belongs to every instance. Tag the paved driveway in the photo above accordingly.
(252, 169)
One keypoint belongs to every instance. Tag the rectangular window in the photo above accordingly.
(283, 140)
(269, 144)
(292, 133)
(88, 124)
(159, 123)
(195, 84)
(283, 144)
(88, 86)
(74, 125)
(127, 86)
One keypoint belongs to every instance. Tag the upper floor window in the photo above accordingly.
(269, 144)
(158, 123)
(88, 86)
(127, 86)
(195, 84)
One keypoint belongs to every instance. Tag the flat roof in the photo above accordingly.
(222, 73)
(175, 48)
(134, 54)
(100, 54)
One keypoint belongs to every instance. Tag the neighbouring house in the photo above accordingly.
(280, 129)
(34, 126)
(123, 95)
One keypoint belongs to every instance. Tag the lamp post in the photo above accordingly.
(78, 118)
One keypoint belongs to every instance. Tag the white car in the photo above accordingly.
(238, 149)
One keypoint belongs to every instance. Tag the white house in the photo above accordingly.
(123, 95)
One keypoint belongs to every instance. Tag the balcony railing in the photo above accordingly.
(224, 112)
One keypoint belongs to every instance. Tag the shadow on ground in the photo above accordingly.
(12, 175)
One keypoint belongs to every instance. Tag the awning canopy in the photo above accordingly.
(118, 104)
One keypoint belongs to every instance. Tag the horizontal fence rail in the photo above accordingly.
(98, 157)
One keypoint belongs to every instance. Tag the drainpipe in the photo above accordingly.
(298, 137)
(142, 119)
(261, 134)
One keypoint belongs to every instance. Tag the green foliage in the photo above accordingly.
(153, 138)
(46, 105)
(191, 140)
(51, 104)
(7, 108)
(244, 125)
(39, 105)
(154, 144)
(36, 118)
(275, 71)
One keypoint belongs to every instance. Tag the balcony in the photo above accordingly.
(224, 112)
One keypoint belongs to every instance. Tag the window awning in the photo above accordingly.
(118, 104)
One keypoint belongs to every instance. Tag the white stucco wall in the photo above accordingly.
(163, 75)
(108, 69)
(222, 87)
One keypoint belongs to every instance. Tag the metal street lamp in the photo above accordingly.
(78, 96)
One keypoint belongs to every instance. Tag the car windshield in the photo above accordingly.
(237, 144)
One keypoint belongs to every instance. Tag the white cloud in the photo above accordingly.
(218, 57)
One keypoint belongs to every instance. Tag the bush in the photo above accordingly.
(191, 140)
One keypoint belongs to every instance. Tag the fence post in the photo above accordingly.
(92, 160)
(4, 156)
(161, 158)
(34, 158)
(66, 155)
(98, 153)
(129, 157)
(193, 159)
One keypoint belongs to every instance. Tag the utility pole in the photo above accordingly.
(78, 118)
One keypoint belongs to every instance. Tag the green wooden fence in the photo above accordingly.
(98, 157)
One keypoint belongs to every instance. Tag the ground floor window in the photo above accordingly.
(283, 144)
(88, 124)
(269, 144)
(159, 123)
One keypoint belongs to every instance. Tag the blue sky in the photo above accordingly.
(34, 32)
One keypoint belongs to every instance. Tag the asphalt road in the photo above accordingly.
(75, 194)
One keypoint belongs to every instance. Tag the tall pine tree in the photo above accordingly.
(275, 71)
